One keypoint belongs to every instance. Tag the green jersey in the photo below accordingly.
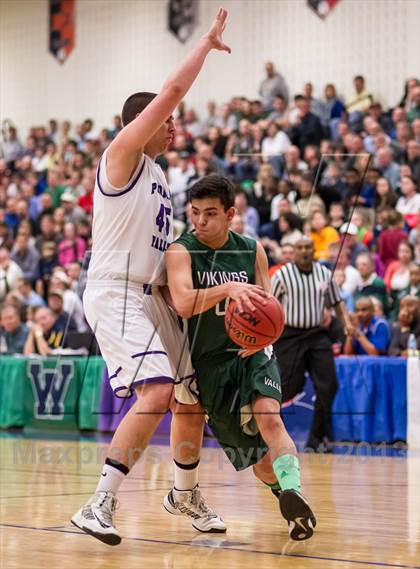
(235, 261)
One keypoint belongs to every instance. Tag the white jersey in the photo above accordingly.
(132, 226)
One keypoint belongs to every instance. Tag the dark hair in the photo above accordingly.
(26, 281)
(46, 215)
(288, 183)
(411, 178)
(291, 219)
(214, 186)
(241, 192)
(352, 170)
(359, 78)
(394, 218)
(409, 245)
(134, 105)
(307, 177)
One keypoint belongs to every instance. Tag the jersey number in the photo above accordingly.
(163, 219)
(221, 307)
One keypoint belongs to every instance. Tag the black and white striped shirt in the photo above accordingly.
(305, 295)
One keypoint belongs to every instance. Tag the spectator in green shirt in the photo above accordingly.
(414, 112)
(370, 284)
(55, 189)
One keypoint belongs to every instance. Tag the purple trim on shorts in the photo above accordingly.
(147, 288)
(148, 381)
(130, 187)
(115, 374)
(151, 352)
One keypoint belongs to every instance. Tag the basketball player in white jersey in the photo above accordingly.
(136, 331)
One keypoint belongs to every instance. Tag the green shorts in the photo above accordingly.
(227, 389)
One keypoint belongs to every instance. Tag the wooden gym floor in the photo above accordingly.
(367, 510)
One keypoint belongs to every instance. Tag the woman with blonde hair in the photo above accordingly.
(264, 190)
(362, 220)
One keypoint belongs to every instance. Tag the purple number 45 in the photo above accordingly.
(163, 219)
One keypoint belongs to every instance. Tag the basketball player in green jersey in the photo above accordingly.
(239, 389)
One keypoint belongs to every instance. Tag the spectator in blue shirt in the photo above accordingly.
(25, 255)
(370, 334)
(334, 106)
(29, 296)
(250, 214)
(388, 168)
(340, 277)
(11, 218)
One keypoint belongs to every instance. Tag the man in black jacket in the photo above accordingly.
(308, 129)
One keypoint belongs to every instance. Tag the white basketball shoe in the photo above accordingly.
(95, 518)
(191, 503)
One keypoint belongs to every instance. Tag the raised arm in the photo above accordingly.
(29, 347)
(124, 152)
(189, 301)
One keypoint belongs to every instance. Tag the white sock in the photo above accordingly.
(185, 476)
(110, 480)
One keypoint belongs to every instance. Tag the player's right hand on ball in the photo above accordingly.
(243, 294)
(245, 353)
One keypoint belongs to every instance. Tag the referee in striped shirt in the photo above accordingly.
(305, 288)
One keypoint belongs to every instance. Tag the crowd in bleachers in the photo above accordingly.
(345, 173)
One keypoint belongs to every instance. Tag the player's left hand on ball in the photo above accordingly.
(245, 353)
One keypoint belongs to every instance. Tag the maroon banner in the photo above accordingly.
(62, 28)
(322, 7)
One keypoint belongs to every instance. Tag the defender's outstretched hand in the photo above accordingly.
(216, 31)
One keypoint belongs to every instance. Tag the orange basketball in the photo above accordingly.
(258, 328)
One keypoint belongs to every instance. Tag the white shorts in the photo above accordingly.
(140, 338)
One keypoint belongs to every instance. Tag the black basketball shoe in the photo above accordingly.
(298, 514)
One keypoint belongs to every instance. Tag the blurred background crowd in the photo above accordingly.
(345, 173)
